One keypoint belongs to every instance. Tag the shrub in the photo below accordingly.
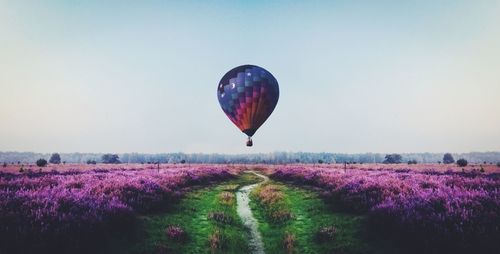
(226, 198)
(176, 233)
(393, 158)
(412, 162)
(220, 217)
(289, 243)
(215, 240)
(110, 158)
(462, 162)
(272, 199)
(4, 164)
(55, 158)
(498, 164)
(448, 158)
(325, 234)
(162, 248)
(281, 215)
(91, 162)
(41, 162)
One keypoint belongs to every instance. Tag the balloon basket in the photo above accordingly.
(249, 142)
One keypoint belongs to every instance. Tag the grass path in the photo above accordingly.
(244, 211)
(290, 222)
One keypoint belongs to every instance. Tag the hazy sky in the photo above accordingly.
(355, 76)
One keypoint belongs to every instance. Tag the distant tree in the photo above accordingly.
(448, 158)
(297, 161)
(498, 164)
(412, 162)
(55, 158)
(64, 162)
(462, 162)
(393, 158)
(41, 162)
(89, 161)
(109, 158)
(183, 161)
(320, 161)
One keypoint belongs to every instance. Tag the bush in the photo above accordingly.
(110, 158)
(448, 158)
(462, 162)
(41, 162)
(289, 242)
(220, 217)
(412, 162)
(226, 198)
(4, 164)
(176, 233)
(393, 158)
(273, 201)
(498, 164)
(216, 240)
(55, 158)
(91, 162)
(325, 234)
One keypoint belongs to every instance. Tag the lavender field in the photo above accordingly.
(428, 210)
(67, 211)
(421, 211)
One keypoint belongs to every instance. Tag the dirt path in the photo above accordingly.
(245, 213)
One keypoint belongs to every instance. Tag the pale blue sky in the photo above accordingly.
(355, 76)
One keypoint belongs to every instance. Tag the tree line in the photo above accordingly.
(266, 158)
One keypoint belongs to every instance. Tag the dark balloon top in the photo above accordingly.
(248, 95)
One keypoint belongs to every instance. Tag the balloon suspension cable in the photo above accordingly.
(249, 141)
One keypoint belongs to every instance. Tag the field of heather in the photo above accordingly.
(356, 208)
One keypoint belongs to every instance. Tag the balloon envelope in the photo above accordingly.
(248, 95)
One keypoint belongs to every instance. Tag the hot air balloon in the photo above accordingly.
(248, 95)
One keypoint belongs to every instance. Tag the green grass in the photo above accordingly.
(310, 213)
(191, 214)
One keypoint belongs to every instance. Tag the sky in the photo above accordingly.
(354, 76)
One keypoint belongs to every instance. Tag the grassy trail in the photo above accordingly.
(290, 220)
(256, 246)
